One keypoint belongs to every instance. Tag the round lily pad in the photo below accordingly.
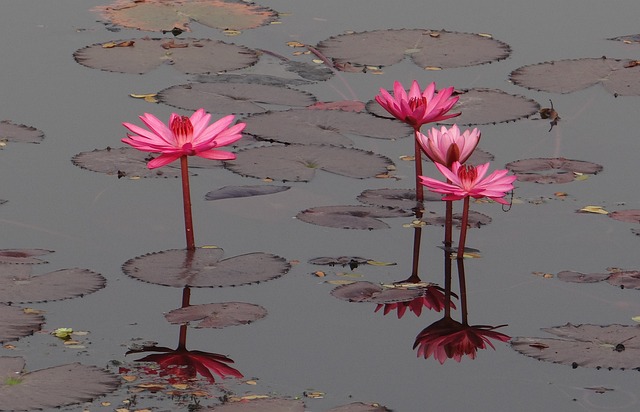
(557, 170)
(372, 293)
(351, 217)
(217, 315)
(618, 77)
(204, 268)
(23, 256)
(298, 163)
(191, 56)
(18, 285)
(233, 98)
(163, 15)
(480, 106)
(395, 198)
(476, 219)
(17, 323)
(52, 387)
(428, 49)
(305, 126)
(13, 132)
(591, 346)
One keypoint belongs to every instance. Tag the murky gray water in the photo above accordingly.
(310, 340)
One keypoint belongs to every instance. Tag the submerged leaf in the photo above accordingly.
(577, 277)
(217, 315)
(233, 192)
(204, 268)
(395, 198)
(351, 217)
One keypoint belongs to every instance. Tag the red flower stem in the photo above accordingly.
(182, 340)
(463, 292)
(463, 228)
(186, 198)
(418, 162)
(447, 284)
(448, 223)
(417, 235)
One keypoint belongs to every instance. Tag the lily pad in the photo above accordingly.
(18, 285)
(577, 277)
(372, 293)
(429, 49)
(630, 215)
(351, 217)
(360, 407)
(260, 405)
(476, 219)
(233, 98)
(16, 323)
(126, 162)
(298, 163)
(191, 56)
(204, 268)
(618, 77)
(13, 132)
(159, 15)
(395, 198)
(217, 315)
(52, 387)
(23, 256)
(591, 346)
(629, 38)
(480, 106)
(306, 126)
(233, 192)
(629, 279)
(559, 170)
(352, 261)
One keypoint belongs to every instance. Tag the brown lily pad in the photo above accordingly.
(236, 98)
(16, 323)
(205, 268)
(20, 133)
(427, 48)
(556, 170)
(234, 192)
(23, 256)
(630, 215)
(17, 284)
(52, 387)
(372, 293)
(217, 315)
(351, 217)
(618, 77)
(191, 56)
(163, 15)
(298, 163)
(360, 407)
(395, 198)
(591, 346)
(476, 219)
(330, 127)
(629, 279)
(577, 277)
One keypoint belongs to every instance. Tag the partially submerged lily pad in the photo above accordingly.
(191, 56)
(17, 284)
(260, 405)
(298, 163)
(236, 98)
(591, 346)
(52, 387)
(306, 126)
(480, 106)
(629, 279)
(577, 277)
(351, 217)
(162, 15)
(630, 215)
(395, 198)
(360, 407)
(476, 219)
(217, 315)
(353, 261)
(23, 256)
(16, 323)
(558, 170)
(372, 293)
(233, 192)
(13, 132)
(629, 38)
(125, 162)
(429, 49)
(618, 77)
(205, 267)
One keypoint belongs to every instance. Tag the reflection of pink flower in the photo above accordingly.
(448, 339)
(417, 108)
(185, 364)
(185, 136)
(468, 181)
(433, 298)
(446, 146)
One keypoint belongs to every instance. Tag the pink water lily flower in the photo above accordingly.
(184, 136)
(418, 107)
(470, 181)
(446, 146)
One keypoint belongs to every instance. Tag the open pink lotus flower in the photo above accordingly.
(470, 181)
(418, 107)
(446, 146)
(184, 136)
(449, 339)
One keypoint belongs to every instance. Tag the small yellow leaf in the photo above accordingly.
(295, 44)
(594, 209)
(487, 35)
(251, 397)
(375, 263)
(33, 311)
(230, 32)
(180, 386)
(314, 395)
(9, 346)
(210, 247)
(433, 68)
(62, 333)
(320, 274)
(433, 34)
(129, 378)
(105, 403)
(317, 61)
(349, 275)
(142, 96)
(581, 177)
(636, 319)
(407, 158)
(251, 382)
(267, 180)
